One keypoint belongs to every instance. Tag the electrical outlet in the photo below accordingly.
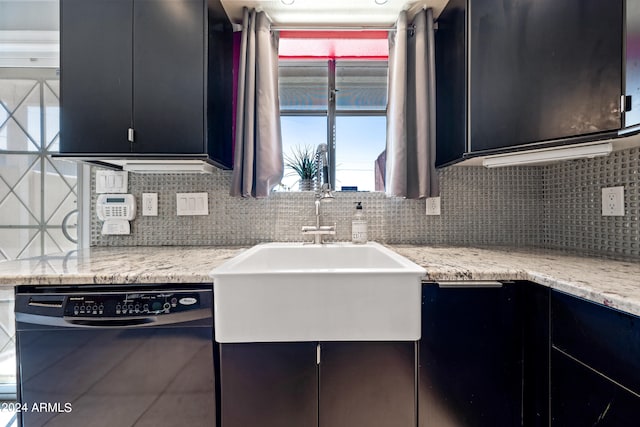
(149, 204)
(613, 201)
(433, 205)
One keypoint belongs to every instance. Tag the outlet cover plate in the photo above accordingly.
(149, 204)
(613, 201)
(433, 205)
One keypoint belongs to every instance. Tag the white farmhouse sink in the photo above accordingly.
(278, 292)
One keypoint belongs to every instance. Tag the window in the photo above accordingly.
(338, 101)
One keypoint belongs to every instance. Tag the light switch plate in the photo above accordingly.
(149, 204)
(433, 206)
(111, 181)
(192, 204)
(613, 201)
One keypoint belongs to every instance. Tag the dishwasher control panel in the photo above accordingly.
(130, 304)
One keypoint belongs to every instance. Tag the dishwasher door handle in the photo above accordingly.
(115, 322)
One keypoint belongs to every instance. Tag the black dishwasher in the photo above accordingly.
(115, 355)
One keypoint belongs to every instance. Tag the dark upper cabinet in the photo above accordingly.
(96, 80)
(451, 82)
(146, 65)
(168, 76)
(536, 73)
(543, 69)
(632, 63)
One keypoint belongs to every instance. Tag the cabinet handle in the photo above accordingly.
(130, 134)
(625, 103)
(470, 284)
(318, 354)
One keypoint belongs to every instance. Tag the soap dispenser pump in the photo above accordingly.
(359, 226)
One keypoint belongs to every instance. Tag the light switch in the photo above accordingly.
(192, 204)
(111, 182)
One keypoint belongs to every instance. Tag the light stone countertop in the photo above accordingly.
(118, 265)
(612, 283)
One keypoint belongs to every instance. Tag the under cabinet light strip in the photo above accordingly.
(168, 167)
(548, 155)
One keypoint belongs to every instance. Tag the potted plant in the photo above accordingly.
(302, 161)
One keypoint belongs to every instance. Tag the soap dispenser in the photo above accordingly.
(359, 226)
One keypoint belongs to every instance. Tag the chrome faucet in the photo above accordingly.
(323, 193)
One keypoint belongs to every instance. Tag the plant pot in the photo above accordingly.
(305, 185)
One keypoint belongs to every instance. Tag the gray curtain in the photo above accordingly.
(258, 165)
(411, 128)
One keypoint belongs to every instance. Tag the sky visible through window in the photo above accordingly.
(359, 141)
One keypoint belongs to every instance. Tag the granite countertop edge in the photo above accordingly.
(615, 284)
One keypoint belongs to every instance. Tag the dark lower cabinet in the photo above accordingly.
(269, 385)
(368, 384)
(581, 396)
(595, 364)
(516, 354)
(470, 364)
(535, 320)
(603, 338)
(356, 384)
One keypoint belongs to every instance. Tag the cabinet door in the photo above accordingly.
(583, 397)
(168, 73)
(603, 338)
(368, 384)
(632, 62)
(535, 354)
(451, 82)
(269, 385)
(543, 69)
(470, 371)
(95, 76)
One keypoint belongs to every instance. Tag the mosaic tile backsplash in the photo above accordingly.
(479, 207)
(572, 195)
(556, 206)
